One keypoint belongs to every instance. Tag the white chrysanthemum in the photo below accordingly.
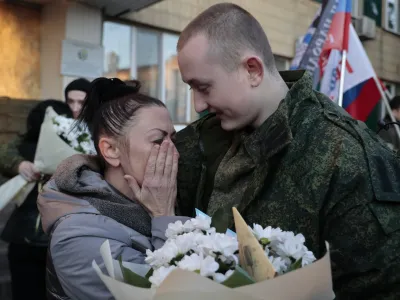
(160, 274)
(219, 277)
(173, 248)
(78, 137)
(188, 241)
(162, 256)
(174, 229)
(291, 248)
(268, 232)
(222, 246)
(205, 266)
(283, 247)
(280, 264)
(88, 147)
(307, 258)
(199, 224)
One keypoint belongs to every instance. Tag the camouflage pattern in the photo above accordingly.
(10, 158)
(312, 169)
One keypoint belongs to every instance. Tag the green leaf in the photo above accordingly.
(296, 265)
(238, 278)
(264, 242)
(133, 278)
(149, 273)
(83, 137)
(177, 259)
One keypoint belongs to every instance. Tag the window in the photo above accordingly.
(373, 9)
(149, 56)
(117, 50)
(393, 89)
(147, 61)
(176, 92)
(392, 16)
(369, 8)
(282, 64)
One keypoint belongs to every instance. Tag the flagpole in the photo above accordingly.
(387, 104)
(342, 73)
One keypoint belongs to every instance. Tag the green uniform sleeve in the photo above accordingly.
(10, 158)
(363, 226)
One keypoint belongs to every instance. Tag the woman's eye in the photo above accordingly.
(158, 142)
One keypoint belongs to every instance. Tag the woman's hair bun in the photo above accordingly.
(103, 90)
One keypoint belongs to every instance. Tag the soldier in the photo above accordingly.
(285, 155)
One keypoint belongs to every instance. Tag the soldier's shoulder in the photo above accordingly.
(192, 133)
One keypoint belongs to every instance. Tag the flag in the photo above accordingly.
(361, 93)
(338, 35)
(329, 84)
(309, 50)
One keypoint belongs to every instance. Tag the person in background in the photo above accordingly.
(389, 134)
(27, 241)
(14, 160)
(126, 194)
(285, 155)
(75, 94)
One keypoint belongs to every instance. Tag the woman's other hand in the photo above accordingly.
(28, 170)
(158, 191)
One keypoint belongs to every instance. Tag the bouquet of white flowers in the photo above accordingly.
(76, 136)
(58, 140)
(234, 263)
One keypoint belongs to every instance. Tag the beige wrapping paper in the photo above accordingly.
(311, 282)
(16, 189)
(50, 151)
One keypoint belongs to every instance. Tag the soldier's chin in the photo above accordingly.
(228, 125)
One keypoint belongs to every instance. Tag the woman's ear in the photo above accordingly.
(109, 151)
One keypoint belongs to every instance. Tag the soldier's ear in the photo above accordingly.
(255, 70)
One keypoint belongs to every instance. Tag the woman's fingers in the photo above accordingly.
(162, 155)
(151, 163)
(169, 160)
(26, 175)
(133, 185)
(174, 170)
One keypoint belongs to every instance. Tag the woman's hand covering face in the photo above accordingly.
(158, 191)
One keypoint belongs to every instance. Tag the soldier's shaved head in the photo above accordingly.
(230, 30)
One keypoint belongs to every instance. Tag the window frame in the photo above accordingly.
(161, 88)
(392, 91)
(285, 60)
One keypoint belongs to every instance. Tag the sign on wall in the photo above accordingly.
(391, 17)
(80, 59)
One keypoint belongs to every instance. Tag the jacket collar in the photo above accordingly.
(275, 133)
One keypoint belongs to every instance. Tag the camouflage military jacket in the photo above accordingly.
(312, 169)
(10, 158)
